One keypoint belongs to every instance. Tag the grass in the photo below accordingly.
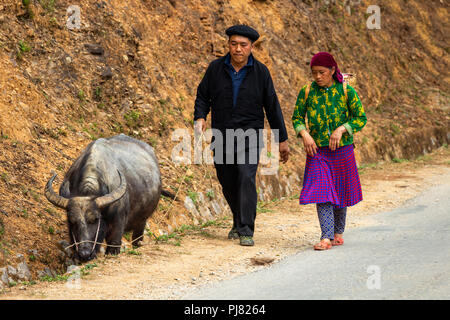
(194, 196)
(132, 118)
(85, 270)
(24, 47)
(48, 5)
(29, 10)
(177, 235)
(210, 194)
(395, 129)
(261, 206)
(133, 252)
(2, 228)
(81, 96)
(399, 160)
(367, 165)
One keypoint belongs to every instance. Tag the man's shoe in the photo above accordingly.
(246, 241)
(233, 234)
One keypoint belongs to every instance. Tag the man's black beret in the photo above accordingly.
(243, 30)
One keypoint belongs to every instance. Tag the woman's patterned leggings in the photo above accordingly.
(332, 219)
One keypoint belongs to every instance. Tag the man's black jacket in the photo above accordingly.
(256, 93)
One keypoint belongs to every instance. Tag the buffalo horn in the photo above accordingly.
(113, 196)
(54, 198)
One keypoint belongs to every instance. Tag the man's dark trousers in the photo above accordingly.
(238, 181)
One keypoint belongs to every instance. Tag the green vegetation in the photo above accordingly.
(399, 160)
(133, 252)
(210, 194)
(83, 272)
(51, 230)
(48, 5)
(395, 129)
(132, 119)
(176, 236)
(2, 228)
(28, 8)
(194, 196)
(23, 47)
(81, 96)
(261, 207)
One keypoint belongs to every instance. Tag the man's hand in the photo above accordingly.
(335, 138)
(200, 125)
(284, 151)
(309, 143)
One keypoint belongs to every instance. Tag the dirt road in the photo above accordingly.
(399, 257)
(204, 255)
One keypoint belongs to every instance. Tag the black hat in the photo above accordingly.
(243, 30)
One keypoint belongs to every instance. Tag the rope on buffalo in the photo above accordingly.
(76, 243)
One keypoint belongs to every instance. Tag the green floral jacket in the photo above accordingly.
(327, 109)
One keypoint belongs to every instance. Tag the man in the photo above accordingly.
(237, 89)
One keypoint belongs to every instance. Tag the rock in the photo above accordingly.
(64, 246)
(46, 272)
(4, 276)
(190, 206)
(73, 268)
(205, 212)
(260, 261)
(11, 271)
(23, 272)
(107, 73)
(20, 257)
(34, 253)
(94, 49)
(216, 207)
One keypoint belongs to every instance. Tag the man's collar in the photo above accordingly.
(249, 62)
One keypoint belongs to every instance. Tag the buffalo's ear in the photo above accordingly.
(64, 190)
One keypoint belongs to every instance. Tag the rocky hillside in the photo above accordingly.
(133, 67)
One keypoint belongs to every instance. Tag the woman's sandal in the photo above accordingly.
(337, 242)
(322, 245)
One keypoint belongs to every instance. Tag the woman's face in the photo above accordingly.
(323, 75)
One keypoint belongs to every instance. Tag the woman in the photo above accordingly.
(331, 178)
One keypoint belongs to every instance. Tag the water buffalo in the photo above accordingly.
(111, 188)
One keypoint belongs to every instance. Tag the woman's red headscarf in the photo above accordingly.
(324, 59)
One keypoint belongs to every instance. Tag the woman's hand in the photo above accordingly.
(309, 143)
(335, 138)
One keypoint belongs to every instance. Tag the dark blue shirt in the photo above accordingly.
(237, 77)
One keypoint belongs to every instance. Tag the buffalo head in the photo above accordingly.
(87, 227)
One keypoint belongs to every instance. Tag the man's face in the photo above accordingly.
(240, 48)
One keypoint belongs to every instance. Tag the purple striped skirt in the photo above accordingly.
(331, 176)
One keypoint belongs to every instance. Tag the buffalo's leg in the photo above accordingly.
(114, 239)
(138, 233)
